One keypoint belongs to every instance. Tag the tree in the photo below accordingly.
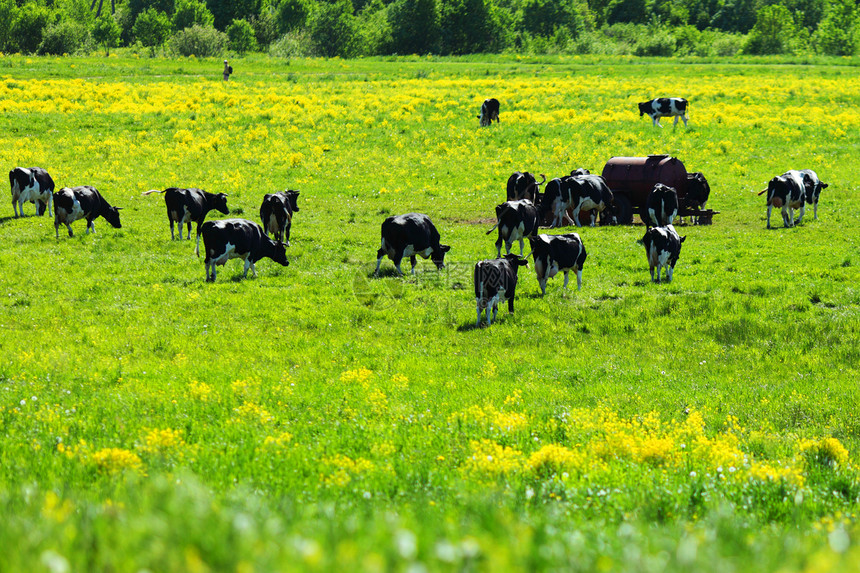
(151, 28)
(189, 12)
(241, 36)
(334, 30)
(466, 26)
(773, 32)
(29, 27)
(106, 32)
(8, 13)
(414, 26)
(837, 33)
(225, 11)
(293, 14)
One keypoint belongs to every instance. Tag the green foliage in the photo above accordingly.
(294, 44)
(64, 37)
(334, 29)
(106, 31)
(466, 26)
(225, 11)
(837, 33)
(415, 27)
(29, 26)
(8, 13)
(240, 36)
(190, 12)
(658, 43)
(200, 41)
(774, 32)
(265, 27)
(293, 14)
(374, 28)
(152, 28)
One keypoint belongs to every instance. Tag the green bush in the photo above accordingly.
(64, 37)
(190, 12)
(240, 36)
(106, 32)
(28, 28)
(293, 14)
(773, 32)
(334, 29)
(837, 33)
(200, 41)
(659, 43)
(297, 43)
(151, 28)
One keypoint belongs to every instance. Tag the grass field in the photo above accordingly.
(316, 417)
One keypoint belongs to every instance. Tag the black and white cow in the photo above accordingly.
(495, 282)
(589, 193)
(31, 184)
(554, 253)
(664, 107)
(788, 192)
(187, 205)
(489, 112)
(555, 201)
(813, 187)
(698, 192)
(407, 236)
(524, 186)
(662, 247)
(661, 205)
(515, 221)
(84, 202)
(227, 239)
(277, 214)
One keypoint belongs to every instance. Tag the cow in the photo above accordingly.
(698, 192)
(664, 107)
(489, 112)
(407, 236)
(496, 281)
(786, 191)
(813, 187)
(31, 184)
(515, 221)
(524, 186)
(661, 205)
(187, 205)
(662, 247)
(555, 201)
(554, 253)
(589, 193)
(277, 213)
(71, 204)
(227, 239)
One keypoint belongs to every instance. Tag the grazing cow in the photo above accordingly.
(31, 184)
(661, 205)
(496, 281)
(589, 193)
(698, 192)
(662, 247)
(813, 187)
(187, 205)
(407, 236)
(489, 112)
(515, 220)
(238, 239)
(664, 107)
(555, 200)
(580, 171)
(554, 253)
(524, 186)
(277, 213)
(71, 204)
(786, 191)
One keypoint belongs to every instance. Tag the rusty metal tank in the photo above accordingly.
(631, 179)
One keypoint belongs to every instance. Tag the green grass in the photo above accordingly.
(327, 418)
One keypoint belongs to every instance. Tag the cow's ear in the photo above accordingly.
(824, 185)
(684, 238)
(445, 248)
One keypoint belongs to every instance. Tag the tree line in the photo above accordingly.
(349, 28)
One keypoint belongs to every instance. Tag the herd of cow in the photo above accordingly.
(562, 201)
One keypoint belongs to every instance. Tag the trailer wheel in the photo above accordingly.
(623, 210)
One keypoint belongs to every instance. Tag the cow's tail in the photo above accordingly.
(494, 227)
(539, 183)
(152, 191)
(762, 192)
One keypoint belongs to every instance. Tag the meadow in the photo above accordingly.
(316, 417)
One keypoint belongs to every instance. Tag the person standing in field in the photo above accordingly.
(228, 69)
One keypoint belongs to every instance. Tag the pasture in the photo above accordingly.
(317, 418)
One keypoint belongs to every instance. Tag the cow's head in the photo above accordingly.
(111, 215)
(438, 256)
(219, 202)
(645, 107)
(516, 261)
(292, 199)
(279, 254)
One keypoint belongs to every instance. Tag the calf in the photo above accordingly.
(813, 187)
(515, 221)
(662, 205)
(407, 236)
(554, 253)
(524, 186)
(496, 281)
(277, 213)
(238, 239)
(786, 191)
(662, 247)
(589, 193)
(664, 107)
(489, 112)
(31, 184)
(71, 204)
(187, 205)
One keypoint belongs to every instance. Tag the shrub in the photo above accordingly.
(836, 35)
(64, 37)
(295, 44)
(190, 12)
(240, 36)
(265, 28)
(659, 43)
(29, 27)
(106, 32)
(151, 28)
(334, 29)
(200, 41)
(774, 28)
(293, 14)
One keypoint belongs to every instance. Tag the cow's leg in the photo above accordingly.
(508, 242)
(542, 284)
(684, 117)
(378, 262)
(478, 305)
(69, 227)
(815, 211)
(91, 227)
(413, 261)
(188, 231)
(15, 207)
(196, 248)
(499, 247)
(253, 270)
(521, 245)
(396, 260)
(802, 211)
(653, 216)
(669, 270)
(652, 275)
(578, 279)
(570, 220)
(247, 266)
(769, 209)
(788, 217)
(172, 234)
